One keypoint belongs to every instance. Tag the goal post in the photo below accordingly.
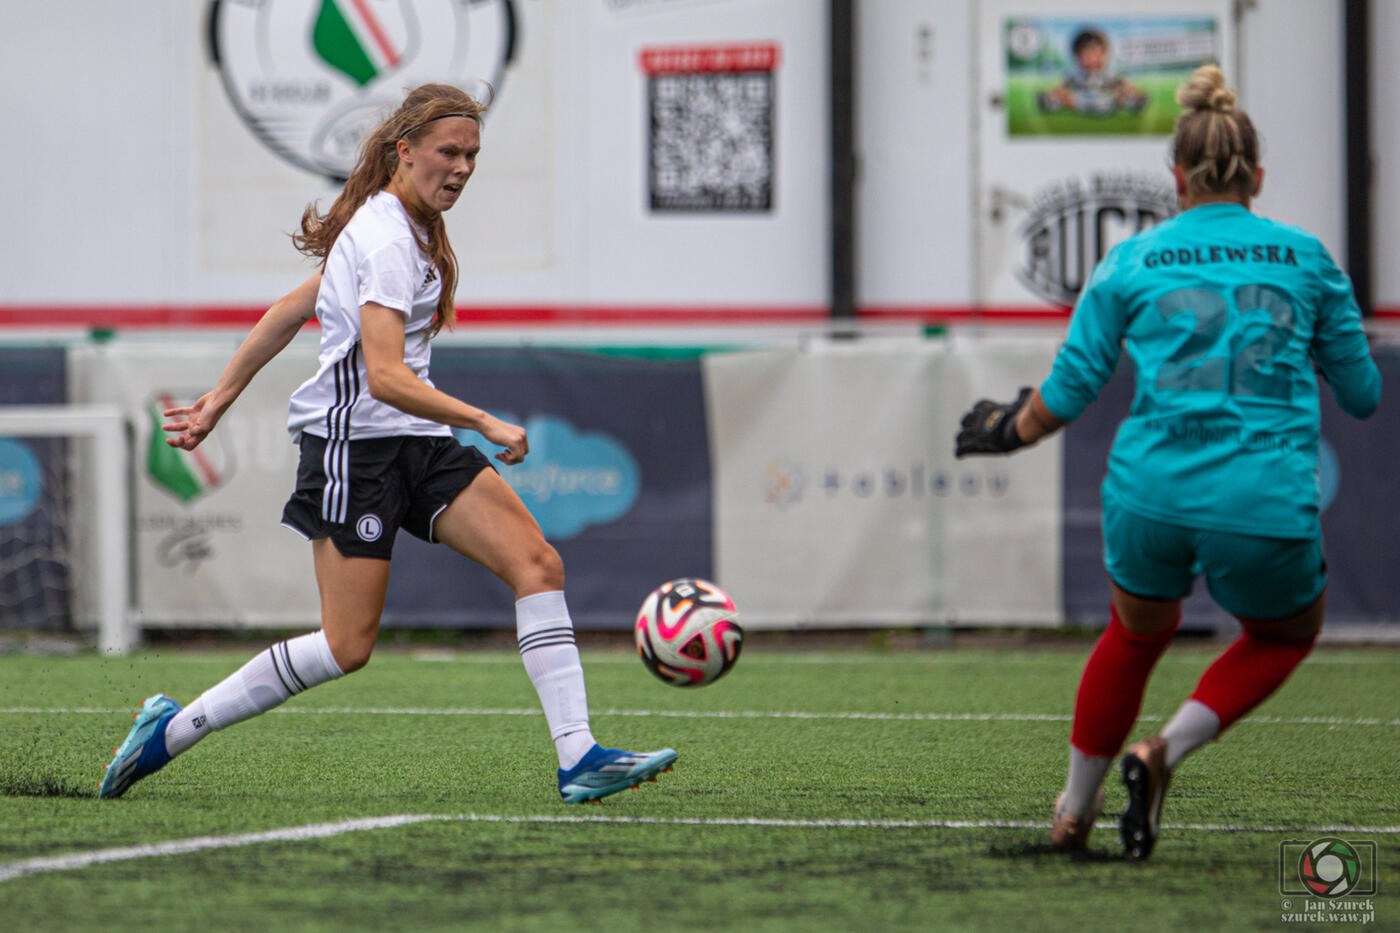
(104, 466)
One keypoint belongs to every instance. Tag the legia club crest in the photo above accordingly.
(311, 78)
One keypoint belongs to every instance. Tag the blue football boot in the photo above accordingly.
(605, 771)
(143, 752)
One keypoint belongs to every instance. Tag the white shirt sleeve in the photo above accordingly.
(389, 275)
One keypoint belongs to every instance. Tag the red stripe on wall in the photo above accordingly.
(195, 317)
(131, 316)
(636, 315)
(943, 313)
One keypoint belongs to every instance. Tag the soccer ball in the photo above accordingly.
(688, 632)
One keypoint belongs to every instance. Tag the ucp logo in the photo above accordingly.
(570, 479)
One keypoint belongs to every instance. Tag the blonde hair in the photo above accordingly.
(1215, 143)
(378, 160)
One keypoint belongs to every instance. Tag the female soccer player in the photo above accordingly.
(1214, 471)
(377, 454)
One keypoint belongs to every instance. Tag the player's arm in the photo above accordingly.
(1083, 366)
(1339, 345)
(1035, 421)
(393, 383)
(190, 424)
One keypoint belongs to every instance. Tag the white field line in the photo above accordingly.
(719, 714)
(76, 860)
(1346, 656)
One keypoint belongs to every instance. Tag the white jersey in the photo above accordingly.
(375, 258)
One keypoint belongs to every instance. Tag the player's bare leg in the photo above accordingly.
(488, 523)
(352, 601)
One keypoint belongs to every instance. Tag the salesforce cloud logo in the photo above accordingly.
(571, 479)
(21, 481)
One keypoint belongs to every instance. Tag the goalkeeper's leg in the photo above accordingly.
(1254, 666)
(1261, 581)
(1107, 704)
(1245, 675)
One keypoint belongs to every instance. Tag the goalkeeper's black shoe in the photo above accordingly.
(1145, 776)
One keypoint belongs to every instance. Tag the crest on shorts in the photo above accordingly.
(310, 78)
(369, 527)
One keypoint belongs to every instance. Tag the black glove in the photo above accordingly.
(990, 428)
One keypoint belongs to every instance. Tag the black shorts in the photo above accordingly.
(360, 493)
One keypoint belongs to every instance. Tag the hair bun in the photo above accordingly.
(1206, 90)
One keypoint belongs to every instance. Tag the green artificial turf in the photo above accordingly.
(764, 825)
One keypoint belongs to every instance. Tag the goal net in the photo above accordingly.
(64, 563)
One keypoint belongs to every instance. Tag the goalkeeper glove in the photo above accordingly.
(990, 428)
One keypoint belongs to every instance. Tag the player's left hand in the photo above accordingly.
(510, 436)
(990, 427)
(189, 425)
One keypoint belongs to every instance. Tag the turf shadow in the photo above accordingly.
(1040, 849)
(27, 785)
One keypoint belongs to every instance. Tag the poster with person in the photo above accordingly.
(1071, 75)
(1076, 109)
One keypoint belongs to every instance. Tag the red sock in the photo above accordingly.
(1110, 692)
(1244, 676)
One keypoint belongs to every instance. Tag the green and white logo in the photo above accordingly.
(185, 475)
(1330, 867)
(311, 78)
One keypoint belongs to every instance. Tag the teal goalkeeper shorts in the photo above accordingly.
(1249, 576)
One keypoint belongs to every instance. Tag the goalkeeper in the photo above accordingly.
(1214, 471)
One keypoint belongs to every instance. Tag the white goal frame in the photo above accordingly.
(109, 469)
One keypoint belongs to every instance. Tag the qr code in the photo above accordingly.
(712, 141)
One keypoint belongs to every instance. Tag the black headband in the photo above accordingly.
(414, 129)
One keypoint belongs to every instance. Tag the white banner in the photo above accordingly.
(209, 549)
(1004, 541)
(837, 501)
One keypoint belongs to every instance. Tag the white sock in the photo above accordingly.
(546, 636)
(282, 671)
(1194, 725)
(186, 728)
(1086, 773)
(572, 747)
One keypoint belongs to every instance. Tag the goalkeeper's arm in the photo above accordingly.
(1034, 421)
(275, 329)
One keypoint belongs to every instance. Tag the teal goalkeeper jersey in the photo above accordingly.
(1224, 313)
